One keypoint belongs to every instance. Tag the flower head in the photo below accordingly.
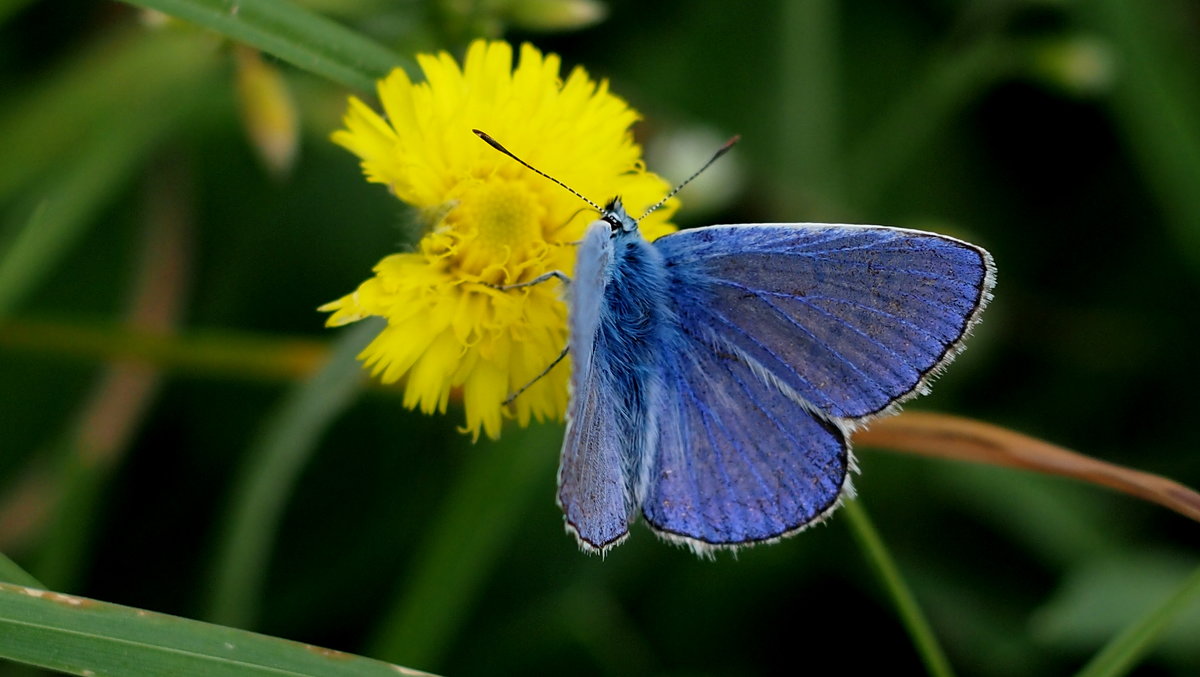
(491, 222)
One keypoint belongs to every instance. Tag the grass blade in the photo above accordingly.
(302, 38)
(59, 221)
(1156, 103)
(475, 524)
(58, 115)
(98, 166)
(85, 637)
(949, 84)
(1127, 648)
(274, 462)
(810, 99)
(11, 572)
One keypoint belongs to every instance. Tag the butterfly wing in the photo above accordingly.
(592, 487)
(786, 336)
(738, 461)
(848, 319)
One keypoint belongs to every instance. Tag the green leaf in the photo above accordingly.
(86, 637)
(306, 40)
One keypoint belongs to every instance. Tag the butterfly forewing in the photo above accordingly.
(851, 319)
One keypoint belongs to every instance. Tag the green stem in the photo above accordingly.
(906, 604)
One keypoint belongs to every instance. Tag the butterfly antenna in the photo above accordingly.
(720, 151)
(496, 144)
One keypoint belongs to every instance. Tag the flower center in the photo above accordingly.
(504, 219)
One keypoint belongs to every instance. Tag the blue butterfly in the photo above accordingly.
(719, 371)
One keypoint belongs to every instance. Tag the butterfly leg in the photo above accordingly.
(554, 274)
(508, 400)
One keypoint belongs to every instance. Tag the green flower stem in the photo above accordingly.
(273, 463)
(476, 523)
(810, 140)
(284, 29)
(906, 604)
(1126, 649)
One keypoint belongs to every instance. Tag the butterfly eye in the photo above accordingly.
(613, 222)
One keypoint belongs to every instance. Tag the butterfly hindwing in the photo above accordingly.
(738, 462)
(849, 319)
(592, 487)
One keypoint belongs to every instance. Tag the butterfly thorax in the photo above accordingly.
(632, 334)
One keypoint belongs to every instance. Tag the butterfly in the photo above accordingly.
(718, 372)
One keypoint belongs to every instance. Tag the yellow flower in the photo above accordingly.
(491, 221)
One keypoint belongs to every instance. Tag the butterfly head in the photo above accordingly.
(617, 218)
(614, 213)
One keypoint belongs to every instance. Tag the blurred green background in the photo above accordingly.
(172, 459)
